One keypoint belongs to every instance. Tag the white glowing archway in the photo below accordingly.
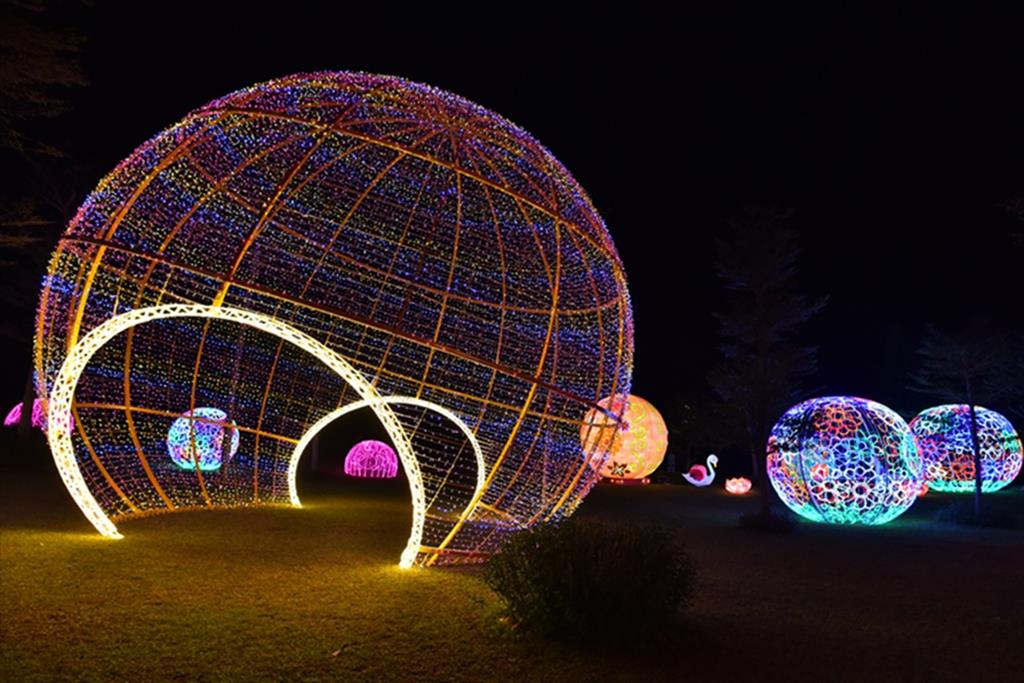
(293, 464)
(63, 391)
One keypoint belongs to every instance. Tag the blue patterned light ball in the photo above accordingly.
(844, 460)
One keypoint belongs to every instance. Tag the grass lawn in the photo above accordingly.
(314, 594)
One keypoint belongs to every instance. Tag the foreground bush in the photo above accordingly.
(586, 579)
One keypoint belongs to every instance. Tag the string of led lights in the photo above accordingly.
(435, 247)
(844, 460)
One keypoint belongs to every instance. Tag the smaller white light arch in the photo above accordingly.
(319, 425)
(62, 394)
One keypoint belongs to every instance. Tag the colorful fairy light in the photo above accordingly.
(844, 460)
(631, 431)
(203, 437)
(371, 460)
(943, 436)
(328, 240)
(737, 486)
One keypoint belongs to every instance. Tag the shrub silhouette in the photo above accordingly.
(586, 579)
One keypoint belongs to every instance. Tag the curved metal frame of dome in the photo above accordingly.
(62, 397)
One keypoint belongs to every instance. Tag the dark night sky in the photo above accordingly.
(893, 136)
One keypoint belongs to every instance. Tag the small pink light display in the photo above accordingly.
(737, 486)
(38, 415)
(371, 460)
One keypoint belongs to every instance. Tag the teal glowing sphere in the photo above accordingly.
(844, 460)
(203, 437)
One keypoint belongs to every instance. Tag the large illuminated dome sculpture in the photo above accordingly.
(844, 460)
(325, 243)
(943, 436)
(635, 443)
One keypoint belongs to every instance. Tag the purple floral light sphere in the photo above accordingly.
(371, 460)
(844, 460)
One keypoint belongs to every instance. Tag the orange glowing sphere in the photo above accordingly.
(636, 444)
(737, 485)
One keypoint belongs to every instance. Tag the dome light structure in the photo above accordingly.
(371, 460)
(323, 242)
(635, 445)
(844, 460)
(943, 436)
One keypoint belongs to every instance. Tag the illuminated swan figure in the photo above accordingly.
(701, 476)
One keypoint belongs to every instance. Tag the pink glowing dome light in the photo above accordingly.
(371, 460)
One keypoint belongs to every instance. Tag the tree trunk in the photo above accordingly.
(755, 450)
(765, 486)
(759, 438)
(977, 462)
(28, 399)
